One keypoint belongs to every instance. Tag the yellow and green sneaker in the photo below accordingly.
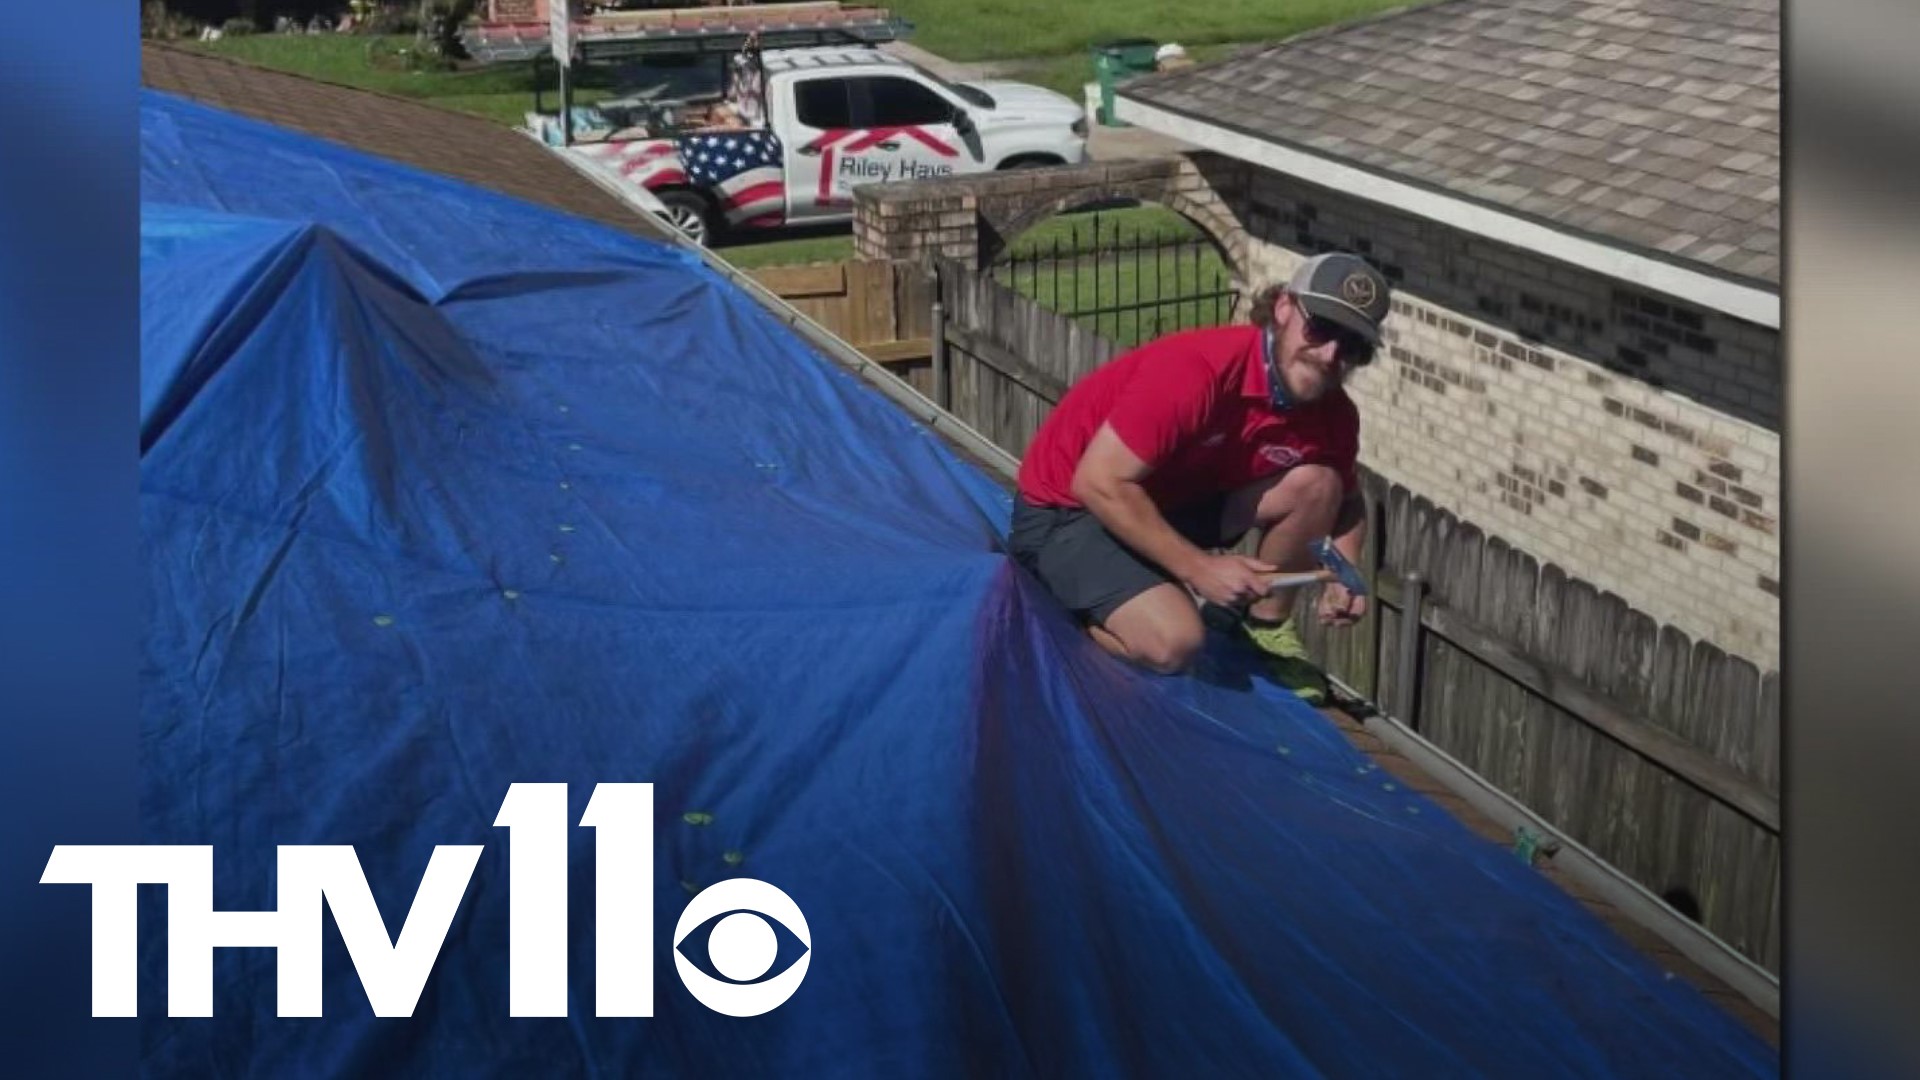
(1285, 659)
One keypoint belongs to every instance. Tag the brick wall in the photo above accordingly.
(1630, 438)
(911, 221)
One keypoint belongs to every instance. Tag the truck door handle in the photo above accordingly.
(890, 144)
(809, 151)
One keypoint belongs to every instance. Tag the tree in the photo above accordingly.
(439, 33)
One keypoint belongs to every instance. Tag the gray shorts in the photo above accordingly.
(1090, 570)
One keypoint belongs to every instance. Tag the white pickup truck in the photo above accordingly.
(798, 129)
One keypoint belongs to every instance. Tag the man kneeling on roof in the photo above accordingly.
(1158, 460)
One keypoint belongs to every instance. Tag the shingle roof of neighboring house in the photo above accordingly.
(453, 144)
(1653, 125)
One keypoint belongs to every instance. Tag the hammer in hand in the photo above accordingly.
(1333, 567)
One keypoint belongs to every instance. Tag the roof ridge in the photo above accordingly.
(453, 145)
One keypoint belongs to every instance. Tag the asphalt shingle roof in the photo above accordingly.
(1651, 124)
(453, 144)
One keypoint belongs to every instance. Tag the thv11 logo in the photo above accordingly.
(394, 970)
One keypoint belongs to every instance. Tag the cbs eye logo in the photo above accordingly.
(741, 946)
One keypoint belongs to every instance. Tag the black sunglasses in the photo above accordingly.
(1353, 350)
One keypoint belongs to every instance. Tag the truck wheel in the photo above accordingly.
(690, 213)
(1029, 161)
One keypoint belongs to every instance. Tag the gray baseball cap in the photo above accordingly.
(1343, 288)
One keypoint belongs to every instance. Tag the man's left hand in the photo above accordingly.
(1340, 606)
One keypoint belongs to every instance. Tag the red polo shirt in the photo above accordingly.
(1194, 406)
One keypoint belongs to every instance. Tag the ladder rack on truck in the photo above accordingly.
(682, 31)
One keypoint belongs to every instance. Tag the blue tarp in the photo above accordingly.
(442, 491)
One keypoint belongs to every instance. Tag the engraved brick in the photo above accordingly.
(1686, 529)
(1642, 454)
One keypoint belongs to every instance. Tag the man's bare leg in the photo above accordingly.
(1295, 510)
(1160, 629)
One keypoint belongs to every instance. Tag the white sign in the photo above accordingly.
(560, 16)
(394, 968)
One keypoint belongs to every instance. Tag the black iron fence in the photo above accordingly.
(1126, 279)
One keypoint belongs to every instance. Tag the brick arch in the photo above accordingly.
(973, 218)
(1207, 215)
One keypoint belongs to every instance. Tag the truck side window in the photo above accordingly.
(822, 103)
(895, 102)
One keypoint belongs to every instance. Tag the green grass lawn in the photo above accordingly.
(1008, 29)
(502, 93)
(1051, 40)
(1067, 231)
(1121, 283)
(1083, 285)
(1077, 230)
(1070, 74)
(751, 253)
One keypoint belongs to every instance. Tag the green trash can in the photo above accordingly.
(1117, 60)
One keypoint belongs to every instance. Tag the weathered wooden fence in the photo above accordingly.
(1658, 753)
(883, 309)
(1002, 360)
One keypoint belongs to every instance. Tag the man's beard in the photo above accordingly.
(1304, 381)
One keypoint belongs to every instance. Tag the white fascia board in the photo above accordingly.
(1746, 302)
